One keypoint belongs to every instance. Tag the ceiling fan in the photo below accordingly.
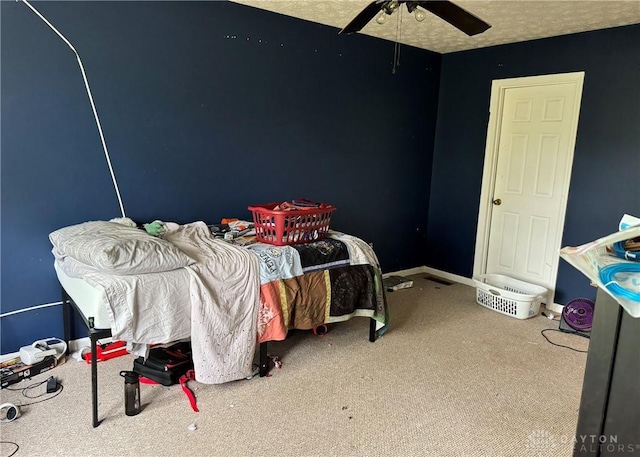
(444, 9)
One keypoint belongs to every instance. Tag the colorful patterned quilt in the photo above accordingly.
(316, 283)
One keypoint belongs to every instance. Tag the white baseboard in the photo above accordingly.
(448, 276)
(554, 307)
(409, 272)
(74, 346)
(80, 343)
(433, 272)
(12, 355)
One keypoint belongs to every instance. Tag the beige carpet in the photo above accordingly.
(450, 378)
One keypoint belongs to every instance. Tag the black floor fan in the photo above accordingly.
(577, 317)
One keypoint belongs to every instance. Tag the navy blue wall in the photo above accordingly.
(207, 107)
(606, 169)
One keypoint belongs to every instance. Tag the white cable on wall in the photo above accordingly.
(18, 311)
(93, 106)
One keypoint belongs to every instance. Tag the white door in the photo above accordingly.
(534, 127)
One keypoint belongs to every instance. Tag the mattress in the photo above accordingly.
(149, 308)
(90, 300)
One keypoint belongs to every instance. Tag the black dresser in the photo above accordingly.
(609, 418)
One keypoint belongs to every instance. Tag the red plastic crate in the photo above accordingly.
(282, 228)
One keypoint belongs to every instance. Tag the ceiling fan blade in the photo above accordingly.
(456, 16)
(363, 17)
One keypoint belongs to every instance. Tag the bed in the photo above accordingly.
(226, 298)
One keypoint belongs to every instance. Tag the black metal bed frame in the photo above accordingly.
(97, 333)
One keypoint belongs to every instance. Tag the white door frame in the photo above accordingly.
(498, 89)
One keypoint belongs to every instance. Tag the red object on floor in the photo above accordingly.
(189, 376)
(107, 351)
(184, 379)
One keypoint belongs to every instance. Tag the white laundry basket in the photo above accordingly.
(509, 296)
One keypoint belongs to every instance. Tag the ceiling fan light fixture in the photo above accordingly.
(420, 15)
(390, 6)
(382, 18)
(446, 10)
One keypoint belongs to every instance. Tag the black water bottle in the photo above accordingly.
(131, 392)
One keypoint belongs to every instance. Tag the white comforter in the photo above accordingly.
(225, 300)
(214, 302)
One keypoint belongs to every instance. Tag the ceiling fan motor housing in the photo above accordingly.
(444, 9)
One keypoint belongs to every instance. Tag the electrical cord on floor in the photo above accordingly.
(559, 345)
(25, 392)
(15, 444)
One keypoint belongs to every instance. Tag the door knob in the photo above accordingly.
(497, 202)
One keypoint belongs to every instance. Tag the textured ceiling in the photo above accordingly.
(512, 20)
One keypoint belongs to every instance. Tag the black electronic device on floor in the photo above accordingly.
(19, 370)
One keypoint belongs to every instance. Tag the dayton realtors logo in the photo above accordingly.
(600, 444)
(543, 442)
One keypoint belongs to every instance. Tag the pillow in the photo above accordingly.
(115, 248)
